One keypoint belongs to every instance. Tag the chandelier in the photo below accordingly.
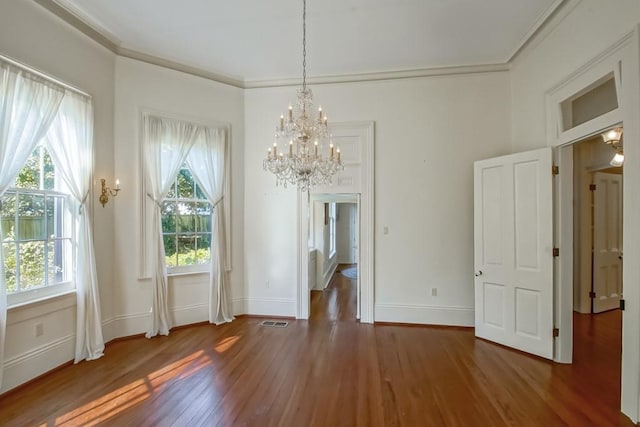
(303, 153)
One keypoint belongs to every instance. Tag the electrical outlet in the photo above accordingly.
(39, 329)
(434, 292)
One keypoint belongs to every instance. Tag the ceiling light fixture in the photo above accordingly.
(297, 155)
(613, 137)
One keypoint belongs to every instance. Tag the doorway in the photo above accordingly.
(598, 227)
(597, 267)
(334, 251)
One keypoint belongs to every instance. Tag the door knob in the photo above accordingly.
(479, 273)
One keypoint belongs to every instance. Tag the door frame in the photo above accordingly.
(623, 54)
(365, 130)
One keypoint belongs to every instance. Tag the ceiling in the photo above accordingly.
(259, 40)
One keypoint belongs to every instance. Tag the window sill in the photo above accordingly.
(41, 300)
(186, 273)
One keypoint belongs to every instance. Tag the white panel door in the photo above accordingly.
(513, 238)
(607, 241)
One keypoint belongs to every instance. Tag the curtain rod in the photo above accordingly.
(43, 75)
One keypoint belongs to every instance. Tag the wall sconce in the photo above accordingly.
(613, 137)
(106, 191)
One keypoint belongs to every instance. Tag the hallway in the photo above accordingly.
(338, 301)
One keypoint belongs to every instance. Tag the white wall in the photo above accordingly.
(345, 232)
(428, 132)
(590, 28)
(141, 86)
(33, 36)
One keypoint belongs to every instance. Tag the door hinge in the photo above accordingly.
(555, 170)
(556, 332)
(592, 187)
(622, 304)
(592, 294)
(556, 252)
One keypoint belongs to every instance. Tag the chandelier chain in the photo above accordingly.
(303, 153)
(304, 45)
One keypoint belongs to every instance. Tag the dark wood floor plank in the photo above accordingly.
(330, 371)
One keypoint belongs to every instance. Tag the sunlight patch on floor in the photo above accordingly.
(226, 344)
(123, 398)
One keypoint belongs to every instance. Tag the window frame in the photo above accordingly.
(146, 252)
(198, 267)
(45, 291)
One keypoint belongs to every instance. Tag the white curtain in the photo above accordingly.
(207, 161)
(70, 144)
(28, 104)
(166, 145)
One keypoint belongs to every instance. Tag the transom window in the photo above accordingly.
(36, 231)
(186, 225)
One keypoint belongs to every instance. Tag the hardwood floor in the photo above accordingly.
(333, 371)
(338, 301)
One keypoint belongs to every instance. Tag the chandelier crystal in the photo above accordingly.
(303, 153)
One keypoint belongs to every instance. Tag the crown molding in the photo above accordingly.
(547, 21)
(384, 75)
(172, 65)
(552, 18)
(73, 18)
(540, 22)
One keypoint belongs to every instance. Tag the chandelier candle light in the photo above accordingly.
(306, 135)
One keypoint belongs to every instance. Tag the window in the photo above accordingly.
(37, 232)
(332, 229)
(186, 225)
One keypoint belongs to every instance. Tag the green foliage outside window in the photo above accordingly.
(33, 236)
(186, 223)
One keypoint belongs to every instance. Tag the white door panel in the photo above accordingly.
(607, 241)
(514, 251)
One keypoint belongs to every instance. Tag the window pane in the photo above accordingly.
(47, 171)
(55, 217)
(203, 254)
(185, 184)
(169, 210)
(186, 250)
(172, 191)
(31, 264)
(186, 220)
(199, 193)
(10, 266)
(29, 175)
(31, 224)
(8, 221)
(204, 217)
(55, 261)
(170, 250)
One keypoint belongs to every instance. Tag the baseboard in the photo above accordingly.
(425, 314)
(129, 324)
(37, 361)
(190, 314)
(328, 275)
(239, 306)
(271, 307)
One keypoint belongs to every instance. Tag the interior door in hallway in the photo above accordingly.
(607, 241)
(513, 239)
